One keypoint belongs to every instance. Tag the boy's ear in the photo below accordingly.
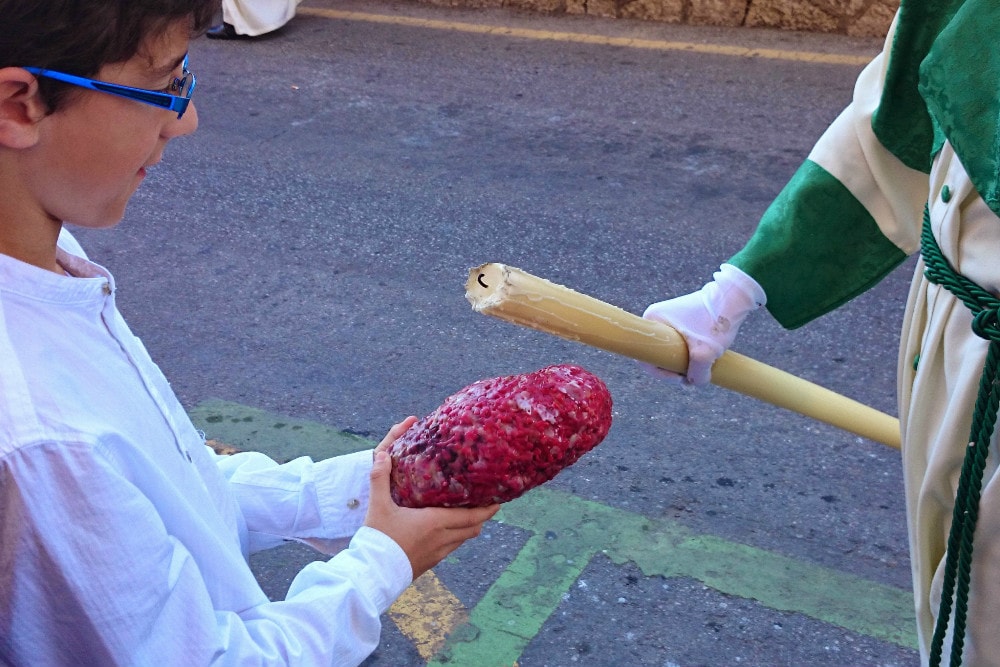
(21, 107)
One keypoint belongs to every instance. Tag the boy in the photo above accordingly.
(123, 540)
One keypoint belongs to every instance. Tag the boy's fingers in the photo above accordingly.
(396, 431)
(381, 469)
(486, 513)
(401, 428)
(461, 518)
(460, 535)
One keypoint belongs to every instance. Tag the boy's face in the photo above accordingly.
(94, 151)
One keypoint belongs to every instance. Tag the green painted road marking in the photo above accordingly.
(520, 601)
(567, 531)
(669, 549)
(281, 438)
(786, 584)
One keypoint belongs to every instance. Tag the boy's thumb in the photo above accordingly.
(381, 469)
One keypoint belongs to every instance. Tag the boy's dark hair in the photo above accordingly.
(80, 36)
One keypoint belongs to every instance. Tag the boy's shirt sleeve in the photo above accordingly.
(852, 211)
(79, 541)
(301, 499)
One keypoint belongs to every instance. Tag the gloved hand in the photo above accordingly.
(709, 319)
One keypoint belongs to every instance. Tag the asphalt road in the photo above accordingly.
(305, 252)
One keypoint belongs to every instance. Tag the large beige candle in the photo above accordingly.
(516, 296)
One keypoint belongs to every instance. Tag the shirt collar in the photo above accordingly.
(88, 282)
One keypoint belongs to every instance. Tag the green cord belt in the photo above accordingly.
(958, 563)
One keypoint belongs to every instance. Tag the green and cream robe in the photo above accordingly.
(922, 129)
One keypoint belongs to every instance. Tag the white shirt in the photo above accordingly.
(124, 539)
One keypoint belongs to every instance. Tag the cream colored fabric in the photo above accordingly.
(937, 401)
(890, 191)
(256, 17)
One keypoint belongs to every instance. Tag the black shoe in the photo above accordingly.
(225, 31)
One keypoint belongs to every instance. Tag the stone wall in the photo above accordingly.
(861, 18)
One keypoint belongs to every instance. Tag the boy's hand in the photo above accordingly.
(428, 534)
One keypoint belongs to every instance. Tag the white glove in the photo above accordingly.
(709, 319)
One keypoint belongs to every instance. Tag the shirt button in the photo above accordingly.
(353, 504)
(946, 194)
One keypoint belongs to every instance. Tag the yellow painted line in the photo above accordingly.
(585, 38)
(426, 613)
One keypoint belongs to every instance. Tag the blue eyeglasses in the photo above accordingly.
(176, 100)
